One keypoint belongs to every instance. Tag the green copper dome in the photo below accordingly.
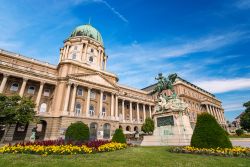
(88, 31)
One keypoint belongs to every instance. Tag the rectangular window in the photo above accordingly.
(31, 90)
(46, 92)
(92, 95)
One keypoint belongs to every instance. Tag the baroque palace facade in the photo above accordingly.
(80, 88)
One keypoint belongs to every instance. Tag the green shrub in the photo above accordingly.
(77, 132)
(119, 136)
(209, 134)
(239, 132)
(148, 126)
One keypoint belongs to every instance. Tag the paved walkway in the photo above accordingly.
(244, 142)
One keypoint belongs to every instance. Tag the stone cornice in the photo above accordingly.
(27, 74)
(27, 59)
(79, 64)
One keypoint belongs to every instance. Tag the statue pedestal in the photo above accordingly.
(172, 128)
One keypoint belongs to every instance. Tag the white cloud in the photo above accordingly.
(224, 85)
(113, 10)
(233, 107)
(243, 4)
(146, 60)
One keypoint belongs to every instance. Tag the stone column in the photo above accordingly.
(144, 112)
(66, 100)
(23, 87)
(138, 112)
(67, 51)
(211, 111)
(38, 98)
(88, 102)
(130, 112)
(218, 114)
(85, 51)
(5, 77)
(123, 111)
(208, 109)
(73, 100)
(215, 114)
(116, 107)
(112, 106)
(150, 111)
(101, 98)
(101, 61)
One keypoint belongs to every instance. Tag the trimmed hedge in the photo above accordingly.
(77, 132)
(209, 134)
(119, 136)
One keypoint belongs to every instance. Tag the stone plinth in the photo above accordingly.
(172, 128)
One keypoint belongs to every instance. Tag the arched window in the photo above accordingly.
(73, 56)
(79, 92)
(14, 87)
(31, 90)
(91, 59)
(78, 109)
(106, 131)
(92, 94)
(43, 108)
(128, 128)
(136, 128)
(103, 111)
(91, 110)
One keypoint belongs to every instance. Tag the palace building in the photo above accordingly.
(80, 88)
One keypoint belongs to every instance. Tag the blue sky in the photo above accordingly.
(206, 42)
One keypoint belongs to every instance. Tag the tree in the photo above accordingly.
(209, 134)
(77, 132)
(239, 132)
(245, 117)
(14, 109)
(119, 136)
(148, 126)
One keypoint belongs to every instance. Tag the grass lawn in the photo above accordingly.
(248, 136)
(131, 157)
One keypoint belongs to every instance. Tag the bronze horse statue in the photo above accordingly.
(165, 83)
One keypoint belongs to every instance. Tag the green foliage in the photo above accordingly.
(77, 132)
(239, 132)
(14, 109)
(245, 117)
(209, 134)
(148, 126)
(119, 136)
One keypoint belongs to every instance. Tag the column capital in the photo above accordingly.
(42, 82)
(75, 85)
(25, 79)
(6, 75)
(69, 83)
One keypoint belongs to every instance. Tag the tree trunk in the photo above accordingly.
(7, 128)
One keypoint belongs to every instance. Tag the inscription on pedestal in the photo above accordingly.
(164, 121)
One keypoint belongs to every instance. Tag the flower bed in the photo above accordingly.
(111, 147)
(61, 148)
(229, 152)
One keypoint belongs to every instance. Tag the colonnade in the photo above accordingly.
(114, 99)
(22, 89)
(216, 112)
